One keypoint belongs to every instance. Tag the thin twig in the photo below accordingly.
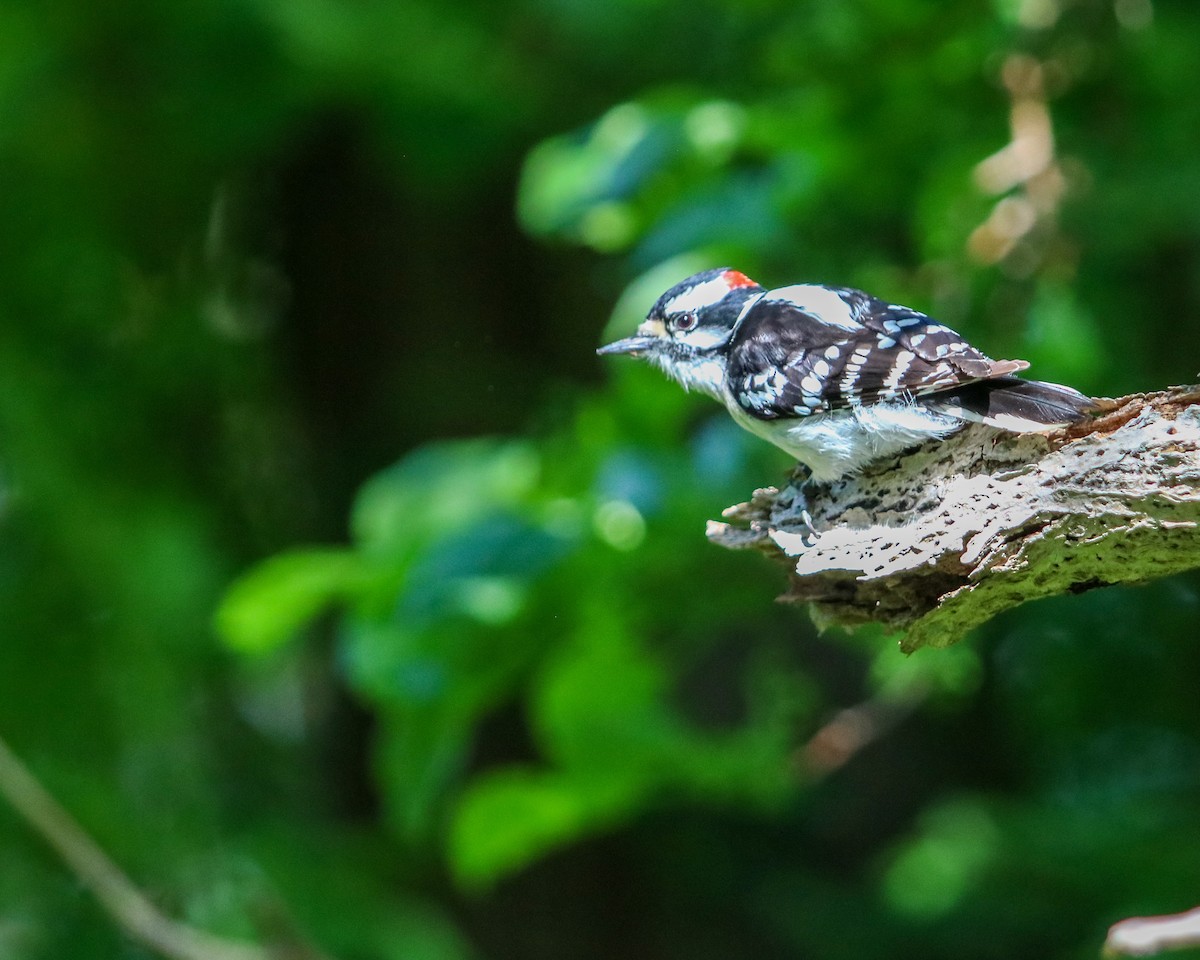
(854, 728)
(125, 903)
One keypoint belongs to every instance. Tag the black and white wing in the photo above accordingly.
(809, 349)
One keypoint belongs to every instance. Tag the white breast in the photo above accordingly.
(833, 445)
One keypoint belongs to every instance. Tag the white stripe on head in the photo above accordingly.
(705, 338)
(749, 305)
(698, 297)
(823, 303)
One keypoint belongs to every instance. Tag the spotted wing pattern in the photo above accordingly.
(805, 349)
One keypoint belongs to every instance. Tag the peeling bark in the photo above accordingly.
(946, 536)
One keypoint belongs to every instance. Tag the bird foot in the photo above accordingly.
(800, 477)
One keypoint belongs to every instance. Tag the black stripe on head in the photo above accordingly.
(715, 296)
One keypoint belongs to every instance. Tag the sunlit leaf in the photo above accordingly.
(271, 603)
(508, 819)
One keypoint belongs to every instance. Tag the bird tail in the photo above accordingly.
(1010, 403)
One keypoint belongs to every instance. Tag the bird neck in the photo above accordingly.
(703, 371)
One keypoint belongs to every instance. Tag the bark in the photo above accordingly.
(1146, 936)
(946, 536)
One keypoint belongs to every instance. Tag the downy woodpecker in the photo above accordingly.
(834, 376)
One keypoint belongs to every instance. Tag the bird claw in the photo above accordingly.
(810, 536)
(800, 476)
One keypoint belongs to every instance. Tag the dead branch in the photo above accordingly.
(952, 533)
(1145, 936)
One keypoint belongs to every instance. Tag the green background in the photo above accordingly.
(345, 594)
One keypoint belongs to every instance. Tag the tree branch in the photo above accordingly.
(948, 535)
(126, 904)
(852, 729)
(1143, 936)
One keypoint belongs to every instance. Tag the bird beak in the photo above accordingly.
(649, 337)
(630, 345)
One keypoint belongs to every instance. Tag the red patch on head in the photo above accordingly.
(736, 279)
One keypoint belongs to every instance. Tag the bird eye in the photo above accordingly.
(685, 322)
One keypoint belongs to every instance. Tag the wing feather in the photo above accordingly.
(803, 350)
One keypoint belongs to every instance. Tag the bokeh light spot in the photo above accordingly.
(620, 524)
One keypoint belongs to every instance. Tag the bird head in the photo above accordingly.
(689, 326)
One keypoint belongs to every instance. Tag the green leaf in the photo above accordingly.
(510, 818)
(271, 603)
(439, 489)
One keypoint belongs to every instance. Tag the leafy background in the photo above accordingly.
(343, 590)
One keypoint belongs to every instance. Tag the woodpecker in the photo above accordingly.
(834, 376)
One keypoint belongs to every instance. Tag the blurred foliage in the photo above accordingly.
(277, 274)
(483, 570)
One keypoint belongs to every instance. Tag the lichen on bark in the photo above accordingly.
(946, 536)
